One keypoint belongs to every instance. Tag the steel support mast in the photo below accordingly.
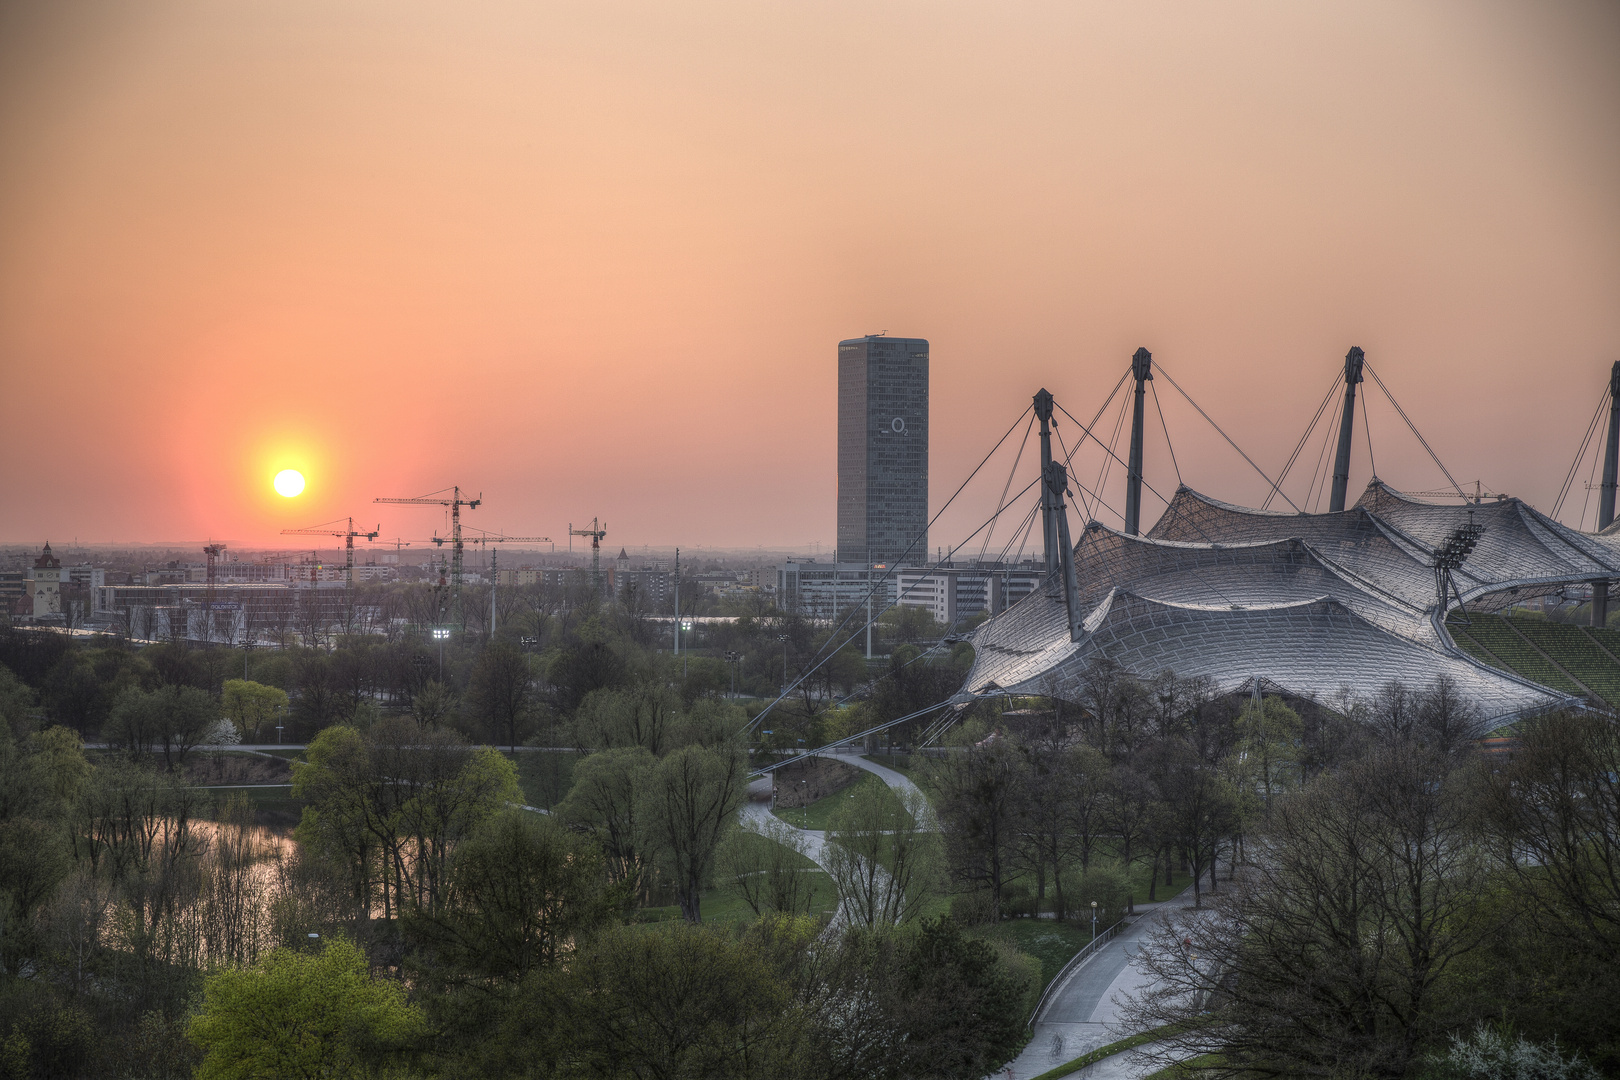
(1347, 425)
(1611, 453)
(1611, 476)
(1057, 486)
(1142, 372)
(1043, 411)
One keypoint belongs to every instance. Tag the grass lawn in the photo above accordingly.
(1178, 881)
(816, 815)
(1051, 942)
(290, 755)
(544, 776)
(900, 763)
(724, 906)
(1186, 1068)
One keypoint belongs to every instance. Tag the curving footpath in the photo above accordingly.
(1083, 1013)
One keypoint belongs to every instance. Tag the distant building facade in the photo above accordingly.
(44, 585)
(952, 593)
(824, 591)
(882, 450)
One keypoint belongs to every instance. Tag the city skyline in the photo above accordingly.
(588, 262)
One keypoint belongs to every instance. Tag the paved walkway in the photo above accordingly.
(1084, 1012)
(755, 815)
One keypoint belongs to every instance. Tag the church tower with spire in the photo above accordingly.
(45, 584)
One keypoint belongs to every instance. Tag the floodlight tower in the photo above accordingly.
(1347, 425)
(1142, 371)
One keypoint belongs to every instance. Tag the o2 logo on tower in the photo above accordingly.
(898, 425)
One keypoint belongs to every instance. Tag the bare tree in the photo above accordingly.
(1324, 960)
(882, 855)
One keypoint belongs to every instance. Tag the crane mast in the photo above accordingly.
(455, 502)
(348, 535)
(595, 532)
(494, 573)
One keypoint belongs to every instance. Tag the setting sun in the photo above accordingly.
(289, 482)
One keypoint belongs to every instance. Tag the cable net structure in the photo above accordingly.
(1309, 605)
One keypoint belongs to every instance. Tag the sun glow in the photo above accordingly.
(289, 482)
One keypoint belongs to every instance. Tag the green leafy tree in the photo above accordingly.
(253, 707)
(642, 715)
(1270, 735)
(17, 704)
(171, 719)
(522, 889)
(391, 803)
(769, 869)
(980, 790)
(502, 690)
(671, 1001)
(959, 1009)
(607, 799)
(693, 796)
(883, 858)
(301, 1015)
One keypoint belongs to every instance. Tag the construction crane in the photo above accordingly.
(595, 532)
(398, 543)
(348, 537)
(455, 502)
(494, 573)
(213, 551)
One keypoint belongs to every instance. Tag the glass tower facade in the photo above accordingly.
(883, 450)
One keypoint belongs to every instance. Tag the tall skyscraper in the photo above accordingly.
(883, 450)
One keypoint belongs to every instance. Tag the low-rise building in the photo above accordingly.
(952, 593)
(824, 591)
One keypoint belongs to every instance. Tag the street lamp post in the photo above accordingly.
(1094, 922)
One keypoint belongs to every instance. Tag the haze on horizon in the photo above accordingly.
(594, 259)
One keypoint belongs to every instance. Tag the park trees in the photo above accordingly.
(693, 796)
(882, 855)
(671, 1001)
(171, 719)
(979, 789)
(1327, 958)
(253, 707)
(391, 803)
(502, 690)
(607, 799)
(524, 892)
(304, 1015)
(770, 869)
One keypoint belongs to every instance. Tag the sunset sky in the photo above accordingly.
(594, 258)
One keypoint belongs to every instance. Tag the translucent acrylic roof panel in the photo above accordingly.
(1516, 544)
(1312, 649)
(1306, 602)
(1238, 575)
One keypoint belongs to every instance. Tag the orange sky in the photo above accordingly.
(595, 257)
